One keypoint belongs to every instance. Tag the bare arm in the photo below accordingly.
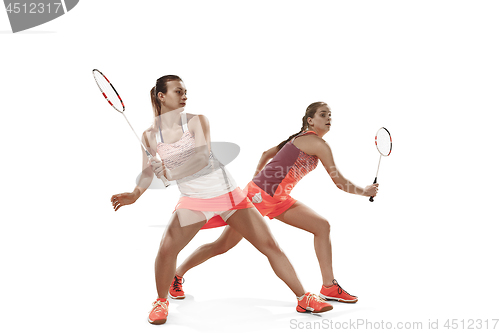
(127, 198)
(324, 153)
(266, 156)
(147, 173)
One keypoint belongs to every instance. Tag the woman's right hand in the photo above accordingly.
(158, 167)
(371, 190)
(123, 199)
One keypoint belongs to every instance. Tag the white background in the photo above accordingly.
(426, 249)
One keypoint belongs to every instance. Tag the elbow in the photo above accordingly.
(147, 173)
(266, 156)
(341, 185)
(145, 179)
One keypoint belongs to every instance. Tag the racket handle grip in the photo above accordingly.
(165, 181)
(163, 178)
(374, 182)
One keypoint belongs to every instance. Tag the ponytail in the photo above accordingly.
(155, 102)
(310, 112)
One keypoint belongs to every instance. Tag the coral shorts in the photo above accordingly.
(267, 205)
(215, 210)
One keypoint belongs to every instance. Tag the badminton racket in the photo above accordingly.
(383, 142)
(111, 95)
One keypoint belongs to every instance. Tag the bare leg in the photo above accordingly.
(173, 241)
(303, 217)
(251, 225)
(227, 240)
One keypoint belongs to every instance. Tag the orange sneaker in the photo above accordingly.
(159, 313)
(336, 293)
(175, 290)
(312, 303)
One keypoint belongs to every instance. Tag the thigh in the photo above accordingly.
(176, 237)
(251, 225)
(229, 237)
(303, 217)
(187, 216)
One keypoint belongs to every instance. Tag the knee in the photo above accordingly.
(322, 228)
(167, 249)
(163, 252)
(270, 246)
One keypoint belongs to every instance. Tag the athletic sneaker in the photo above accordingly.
(336, 293)
(312, 303)
(175, 290)
(159, 313)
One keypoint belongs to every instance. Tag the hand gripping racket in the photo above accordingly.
(111, 95)
(383, 142)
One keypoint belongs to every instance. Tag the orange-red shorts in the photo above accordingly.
(267, 205)
(216, 210)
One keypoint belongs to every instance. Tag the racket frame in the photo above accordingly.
(381, 153)
(122, 111)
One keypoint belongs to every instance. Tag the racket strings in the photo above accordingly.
(384, 142)
(109, 92)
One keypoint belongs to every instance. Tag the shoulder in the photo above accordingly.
(195, 120)
(149, 132)
(312, 144)
(196, 117)
(312, 140)
(318, 144)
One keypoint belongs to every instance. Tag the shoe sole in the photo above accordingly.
(157, 322)
(326, 308)
(338, 299)
(176, 297)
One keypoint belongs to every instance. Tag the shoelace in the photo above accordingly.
(177, 283)
(340, 290)
(315, 297)
(159, 304)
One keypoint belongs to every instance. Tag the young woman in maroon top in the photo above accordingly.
(270, 189)
(168, 98)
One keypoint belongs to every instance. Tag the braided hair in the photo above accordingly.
(310, 112)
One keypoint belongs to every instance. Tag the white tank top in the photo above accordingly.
(211, 181)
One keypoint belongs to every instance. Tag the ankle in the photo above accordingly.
(329, 283)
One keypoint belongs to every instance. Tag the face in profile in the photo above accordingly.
(175, 98)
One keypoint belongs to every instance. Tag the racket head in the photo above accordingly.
(383, 141)
(108, 91)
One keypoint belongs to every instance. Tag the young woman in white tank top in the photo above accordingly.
(206, 190)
